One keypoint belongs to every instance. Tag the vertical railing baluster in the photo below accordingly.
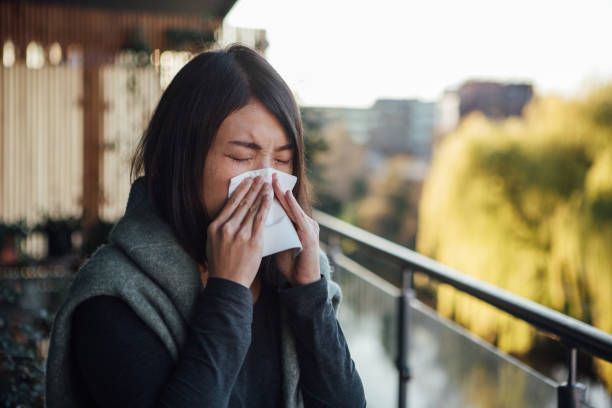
(403, 337)
(571, 394)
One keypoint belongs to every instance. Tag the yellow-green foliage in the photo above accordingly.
(526, 204)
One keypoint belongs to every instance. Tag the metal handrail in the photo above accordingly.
(573, 333)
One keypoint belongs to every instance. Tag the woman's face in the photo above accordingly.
(248, 139)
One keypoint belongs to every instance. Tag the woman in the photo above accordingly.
(180, 308)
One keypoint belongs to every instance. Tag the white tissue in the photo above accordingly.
(279, 233)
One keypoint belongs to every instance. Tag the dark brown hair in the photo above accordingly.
(173, 148)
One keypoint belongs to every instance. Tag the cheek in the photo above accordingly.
(215, 185)
(215, 189)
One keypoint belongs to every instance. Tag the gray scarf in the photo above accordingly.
(144, 265)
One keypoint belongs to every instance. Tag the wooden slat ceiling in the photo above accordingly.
(203, 8)
(108, 29)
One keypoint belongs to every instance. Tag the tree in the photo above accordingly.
(526, 204)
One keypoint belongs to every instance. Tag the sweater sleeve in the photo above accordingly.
(328, 377)
(123, 363)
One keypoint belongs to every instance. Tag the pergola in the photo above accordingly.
(101, 29)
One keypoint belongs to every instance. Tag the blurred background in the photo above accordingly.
(476, 133)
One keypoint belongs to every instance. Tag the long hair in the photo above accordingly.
(173, 149)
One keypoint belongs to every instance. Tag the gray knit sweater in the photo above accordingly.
(144, 265)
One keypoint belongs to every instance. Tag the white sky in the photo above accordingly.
(351, 52)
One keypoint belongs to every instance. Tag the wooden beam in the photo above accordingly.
(102, 29)
(93, 121)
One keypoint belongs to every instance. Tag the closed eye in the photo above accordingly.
(248, 159)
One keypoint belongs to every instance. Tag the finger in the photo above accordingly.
(262, 213)
(280, 196)
(234, 200)
(246, 227)
(238, 216)
(297, 211)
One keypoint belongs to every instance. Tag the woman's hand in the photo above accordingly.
(304, 267)
(234, 243)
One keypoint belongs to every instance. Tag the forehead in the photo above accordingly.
(253, 122)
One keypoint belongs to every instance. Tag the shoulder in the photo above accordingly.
(108, 271)
(107, 257)
(107, 267)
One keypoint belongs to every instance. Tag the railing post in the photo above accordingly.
(403, 337)
(571, 394)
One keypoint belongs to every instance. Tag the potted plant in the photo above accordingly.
(59, 234)
(10, 238)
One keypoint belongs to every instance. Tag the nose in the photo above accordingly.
(264, 160)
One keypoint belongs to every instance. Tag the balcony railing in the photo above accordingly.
(571, 333)
(382, 301)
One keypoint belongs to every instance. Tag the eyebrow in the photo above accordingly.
(255, 146)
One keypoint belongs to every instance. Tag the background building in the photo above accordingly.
(496, 100)
(402, 126)
(356, 121)
(389, 127)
